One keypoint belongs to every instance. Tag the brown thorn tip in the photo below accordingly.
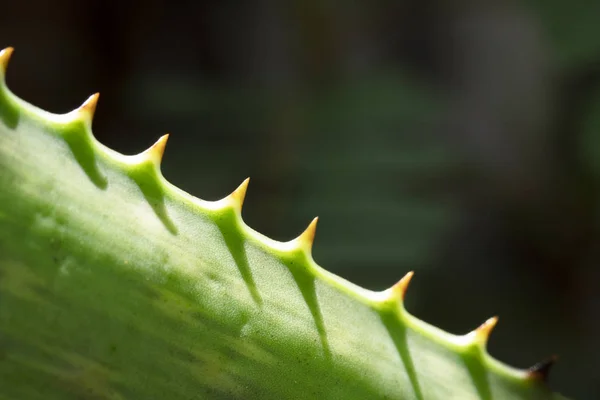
(542, 369)
(400, 288)
(5, 57)
(90, 104)
(485, 329)
(239, 194)
(158, 149)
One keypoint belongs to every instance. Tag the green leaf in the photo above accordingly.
(115, 284)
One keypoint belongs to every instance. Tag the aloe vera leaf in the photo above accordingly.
(114, 284)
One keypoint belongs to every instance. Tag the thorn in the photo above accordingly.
(5, 58)
(542, 369)
(307, 237)
(90, 104)
(399, 289)
(88, 108)
(156, 152)
(482, 334)
(239, 194)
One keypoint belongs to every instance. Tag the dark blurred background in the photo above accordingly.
(457, 139)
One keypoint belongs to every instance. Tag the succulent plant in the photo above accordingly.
(115, 284)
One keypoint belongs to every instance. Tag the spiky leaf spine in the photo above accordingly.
(115, 284)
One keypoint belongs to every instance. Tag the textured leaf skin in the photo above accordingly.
(114, 284)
